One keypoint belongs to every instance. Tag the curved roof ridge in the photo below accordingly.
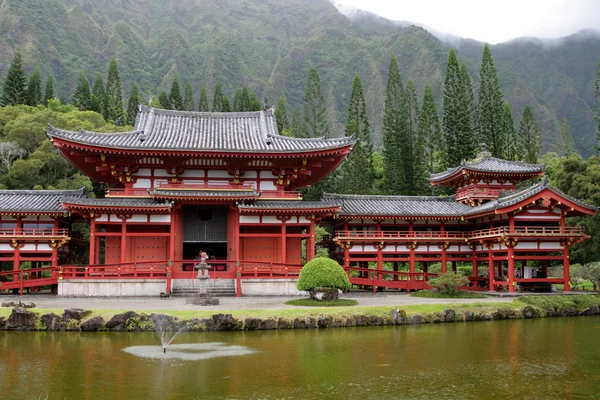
(214, 114)
(387, 197)
(475, 165)
(65, 131)
(80, 191)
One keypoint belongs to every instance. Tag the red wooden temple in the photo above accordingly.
(227, 183)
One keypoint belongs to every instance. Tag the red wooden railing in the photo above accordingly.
(28, 278)
(206, 186)
(128, 192)
(450, 235)
(279, 194)
(34, 232)
(479, 192)
(139, 270)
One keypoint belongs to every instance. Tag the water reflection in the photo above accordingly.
(190, 351)
(536, 359)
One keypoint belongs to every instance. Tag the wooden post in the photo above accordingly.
(123, 240)
(395, 270)
(491, 266)
(444, 259)
(566, 268)
(454, 266)
(511, 268)
(311, 241)
(379, 265)
(283, 241)
(92, 240)
(474, 270)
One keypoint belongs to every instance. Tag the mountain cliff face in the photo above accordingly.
(270, 46)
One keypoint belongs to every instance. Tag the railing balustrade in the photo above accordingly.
(33, 232)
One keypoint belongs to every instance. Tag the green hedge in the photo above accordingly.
(322, 273)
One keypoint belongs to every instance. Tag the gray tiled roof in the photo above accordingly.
(489, 164)
(36, 201)
(204, 193)
(115, 202)
(287, 204)
(409, 206)
(157, 129)
(517, 196)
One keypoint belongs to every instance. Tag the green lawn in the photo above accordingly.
(459, 295)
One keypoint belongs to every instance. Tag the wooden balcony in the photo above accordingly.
(486, 193)
(450, 236)
(279, 195)
(215, 186)
(34, 234)
(138, 193)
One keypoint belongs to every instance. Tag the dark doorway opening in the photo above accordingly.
(216, 252)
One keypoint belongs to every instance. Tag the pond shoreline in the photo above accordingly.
(95, 320)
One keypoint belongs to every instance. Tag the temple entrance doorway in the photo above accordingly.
(204, 228)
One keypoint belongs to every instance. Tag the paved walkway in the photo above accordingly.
(227, 303)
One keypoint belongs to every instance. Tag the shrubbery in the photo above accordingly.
(449, 283)
(322, 273)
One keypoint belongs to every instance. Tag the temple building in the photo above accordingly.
(228, 184)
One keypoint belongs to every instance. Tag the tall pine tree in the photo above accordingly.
(82, 95)
(451, 122)
(394, 131)
(163, 99)
(245, 100)
(529, 137)
(281, 115)
(49, 90)
(98, 98)
(297, 126)
(34, 88)
(512, 149)
(114, 95)
(237, 100)
(188, 99)
(132, 105)
(357, 171)
(175, 98)
(254, 103)
(429, 145)
(14, 91)
(566, 144)
(226, 105)
(315, 112)
(467, 136)
(203, 102)
(597, 107)
(409, 139)
(491, 105)
(218, 98)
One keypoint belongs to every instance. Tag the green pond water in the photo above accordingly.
(556, 358)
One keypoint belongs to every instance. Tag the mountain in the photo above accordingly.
(270, 46)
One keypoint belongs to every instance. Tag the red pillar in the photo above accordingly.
(566, 272)
(346, 255)
(474, 271)
(379, 265)
(123, 240)
(92, 240)
(491, 267)
(171, 262)
(283, 242)
(511, 269)
(311, 241)
(444, 259)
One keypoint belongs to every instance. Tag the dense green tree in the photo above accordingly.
(254, 103)
(237, 100)
(132, 105)
(512, 148)
(82, 95)
(14, 90)
(468, 139)
(114, 95)
(218, 98)
(529, 137)
(163, 99)
(245, 99)
(49, 90)
(315, 111)
(188, 99)
(409, 138)
(203, 102)
(597, 107)
(226, 105)
(491, 105)
(566, 144)
(395, 128)
(34, 88)
(297, 126)
(579, 179)
(98, 98)
(429, 144)
(357, 174)
(281, 116)
(175, 98)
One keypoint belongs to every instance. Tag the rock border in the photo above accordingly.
(22, 319)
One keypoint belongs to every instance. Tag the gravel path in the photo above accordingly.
(227, 303)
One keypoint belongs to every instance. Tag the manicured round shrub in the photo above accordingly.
(449, 283)
(322, 273)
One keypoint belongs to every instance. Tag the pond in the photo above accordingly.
(544, 358)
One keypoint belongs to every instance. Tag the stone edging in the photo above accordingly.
(73, 319)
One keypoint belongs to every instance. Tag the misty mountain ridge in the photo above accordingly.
(271, 45)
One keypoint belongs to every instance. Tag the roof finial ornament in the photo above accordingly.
(484, 153)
